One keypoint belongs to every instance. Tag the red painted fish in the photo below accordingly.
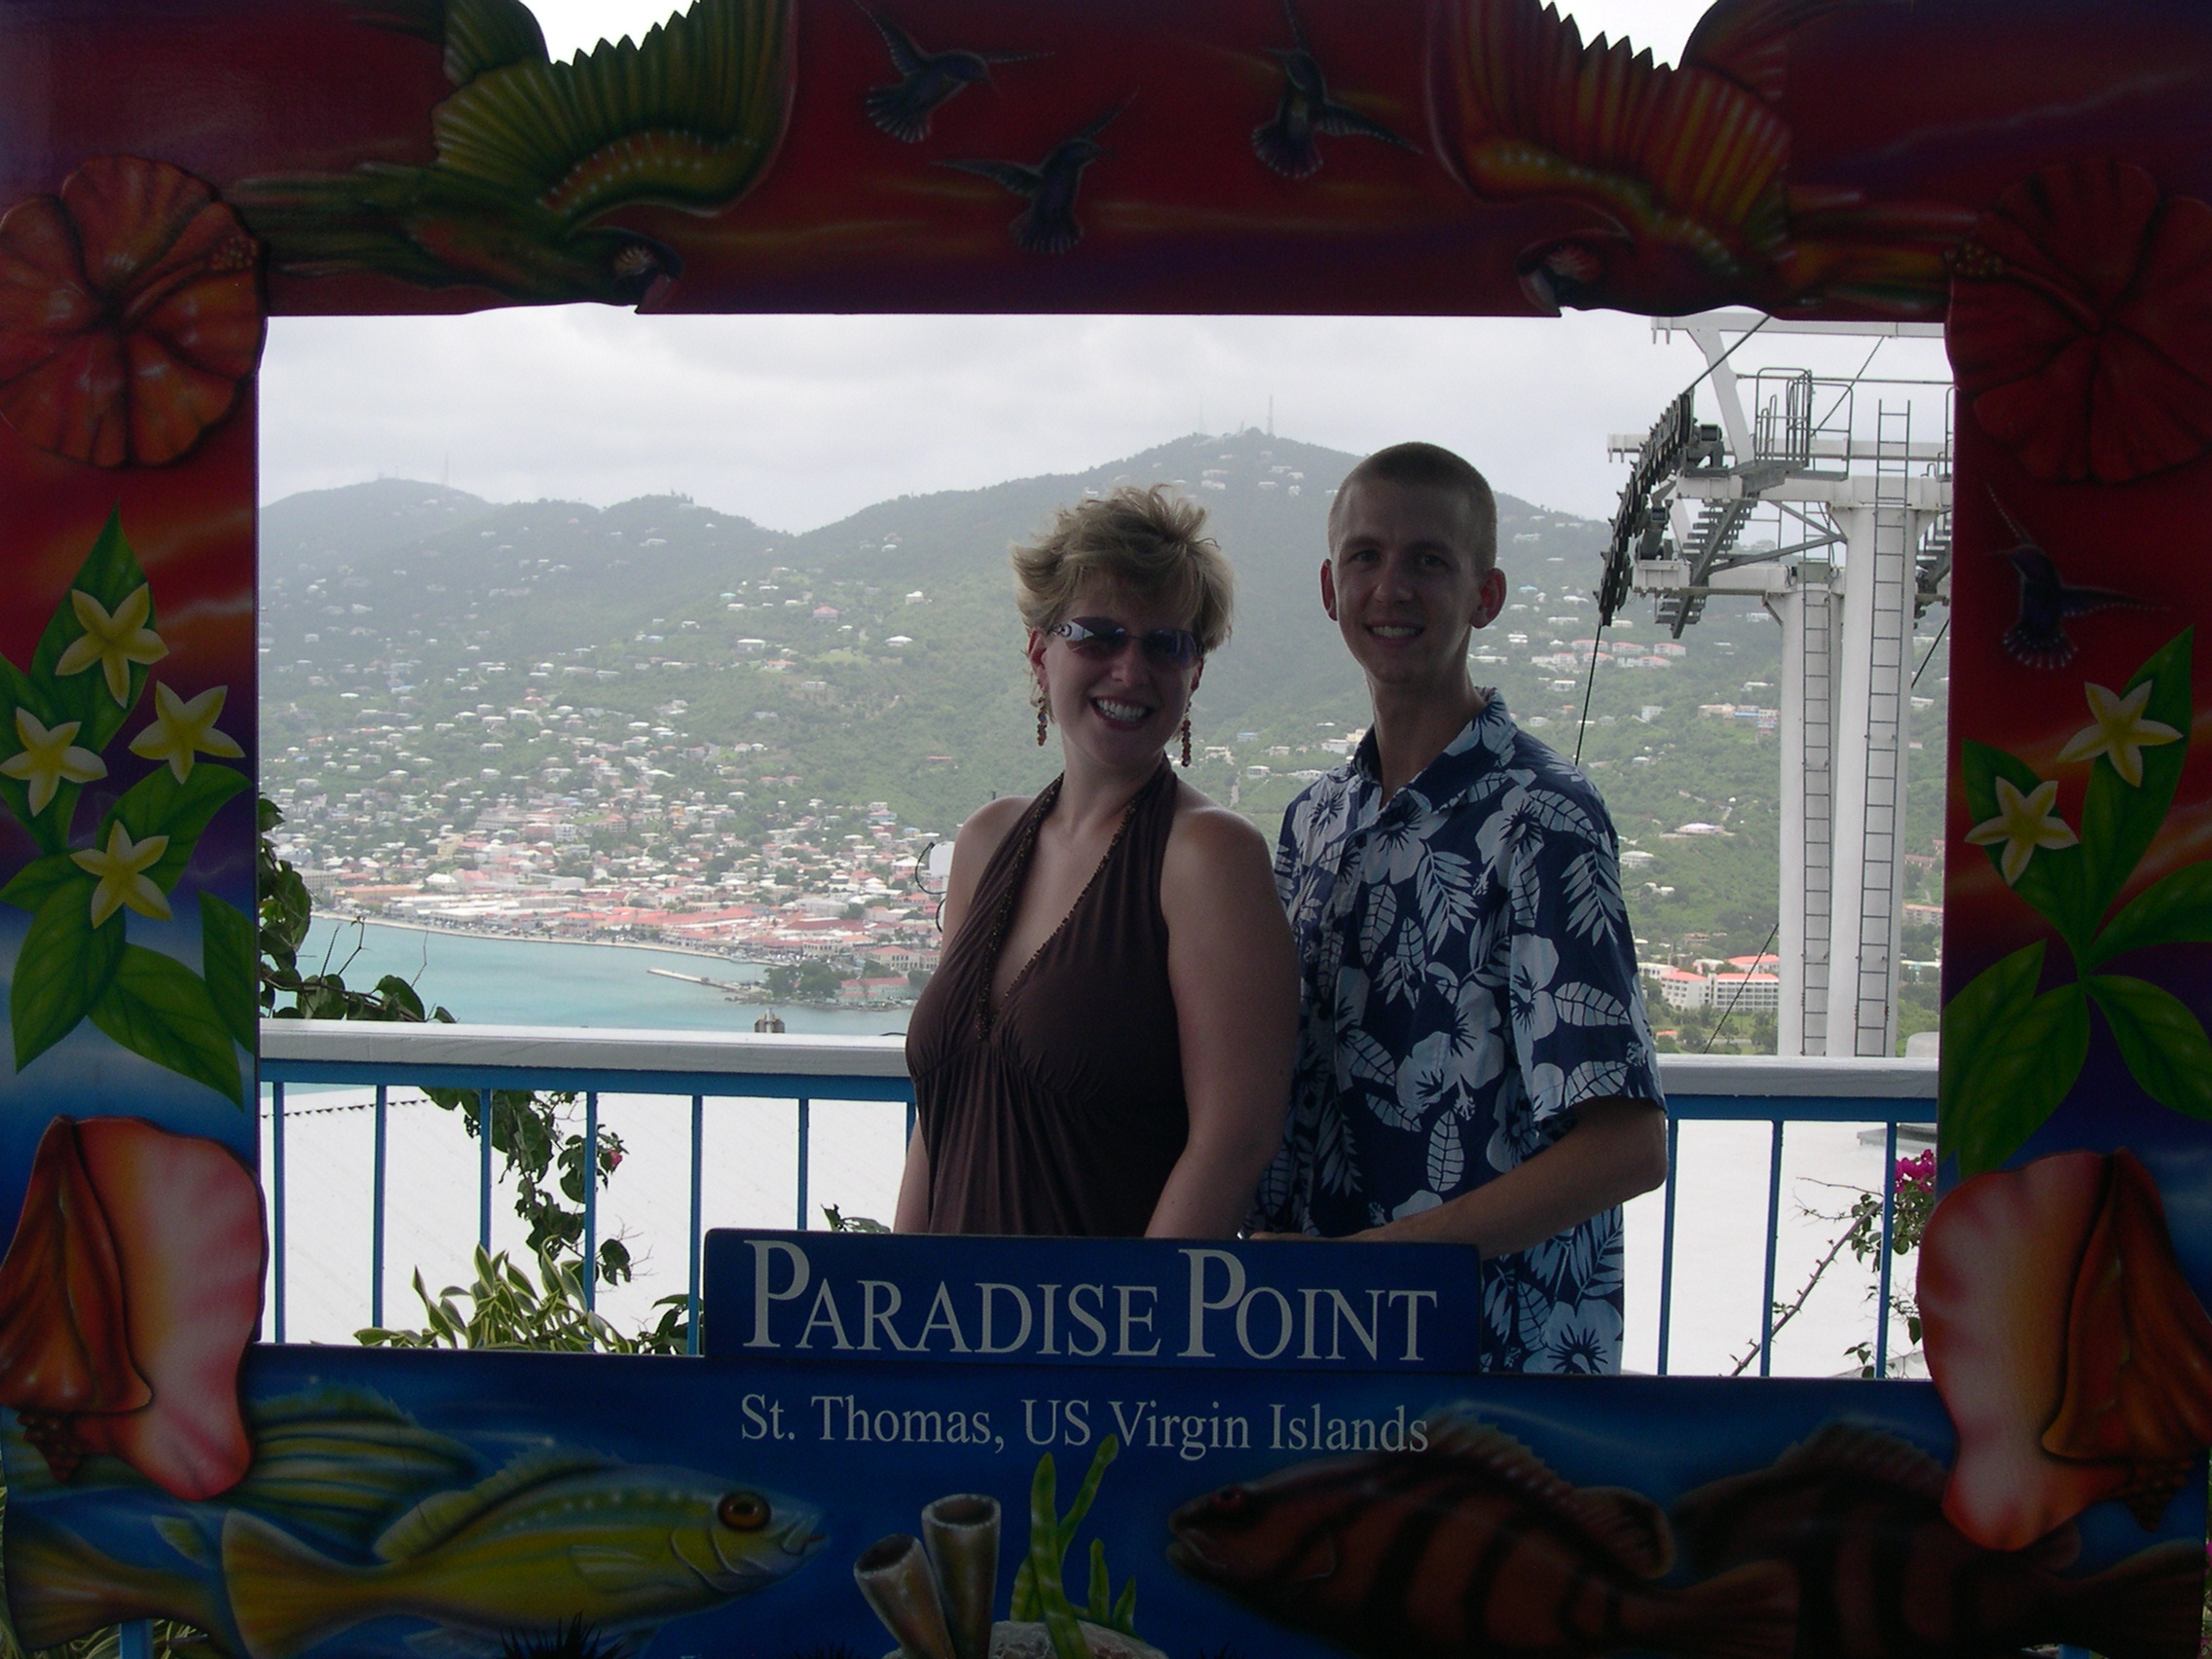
(1471, 1549)
(1883, 1575)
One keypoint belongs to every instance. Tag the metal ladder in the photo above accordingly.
(1819, 784)
(1896, 586)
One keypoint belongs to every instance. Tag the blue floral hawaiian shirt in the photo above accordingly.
(1468, 976)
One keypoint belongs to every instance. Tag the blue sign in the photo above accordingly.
(407, 1505)
(1287, 1306)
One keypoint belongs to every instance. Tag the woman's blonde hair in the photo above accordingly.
(1147, 542)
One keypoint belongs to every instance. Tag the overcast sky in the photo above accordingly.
(796, 421)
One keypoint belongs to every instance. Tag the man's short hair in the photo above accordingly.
(1433, 466)
(1151, 542)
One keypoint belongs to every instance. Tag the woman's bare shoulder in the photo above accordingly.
(1207, 834)
(989, 825)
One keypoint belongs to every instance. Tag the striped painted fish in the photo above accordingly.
(1883, 1575)
(1472, 1549)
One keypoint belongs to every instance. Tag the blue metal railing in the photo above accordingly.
(802, 1069)
(1887, 1111)
(591, 1063)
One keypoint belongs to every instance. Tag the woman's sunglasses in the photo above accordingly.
(1103, 640)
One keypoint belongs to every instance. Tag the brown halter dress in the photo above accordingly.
(1063, 1112)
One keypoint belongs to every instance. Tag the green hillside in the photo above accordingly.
(416, 639)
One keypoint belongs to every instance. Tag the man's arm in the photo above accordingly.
(1616, 1150)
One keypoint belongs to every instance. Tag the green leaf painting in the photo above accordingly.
(64, 970)
(157, 1007)
(2160, 1039)
(229, 959)
(88, 679)
(2008, 1058)
(2011, 1054)
(2174, 910)
(29, 888)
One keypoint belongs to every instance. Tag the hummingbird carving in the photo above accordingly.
(533, 155)
(1286, 141)
(1685, 170)
(1049, 225)
(2038, 635)
(927, 80)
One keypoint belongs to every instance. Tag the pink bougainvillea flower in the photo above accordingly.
(128, 313)
(2080, 326)
(2073, 1356)
(127, 1298)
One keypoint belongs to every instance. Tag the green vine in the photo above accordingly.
(2012, 1051)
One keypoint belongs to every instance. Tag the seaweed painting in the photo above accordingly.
(1039, 1585)
(2012, 1051)
(87, 673)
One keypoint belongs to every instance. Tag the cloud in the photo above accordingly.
(794, 422)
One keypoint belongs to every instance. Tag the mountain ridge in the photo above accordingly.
(657, 660)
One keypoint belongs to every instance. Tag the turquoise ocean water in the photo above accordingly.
(514, 982)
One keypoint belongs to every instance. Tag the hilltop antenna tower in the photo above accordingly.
(1871, 512)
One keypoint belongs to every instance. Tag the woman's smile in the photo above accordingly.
(1119, 712)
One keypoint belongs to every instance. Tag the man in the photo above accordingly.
(1473, 1061)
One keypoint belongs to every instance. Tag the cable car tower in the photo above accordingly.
(1863, 548)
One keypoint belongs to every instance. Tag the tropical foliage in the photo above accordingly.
(58, 718)
(508, 1310)
(2011, 1051)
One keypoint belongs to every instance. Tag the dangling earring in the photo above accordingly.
(1040, 724)
(1186, 742)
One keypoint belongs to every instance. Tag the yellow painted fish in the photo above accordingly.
(552, 1538)
(1472, 1549)
(343, 1463)
(61, 1585)
(337, 1465)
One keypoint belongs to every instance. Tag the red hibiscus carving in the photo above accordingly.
(128, 313)
(2081, 323)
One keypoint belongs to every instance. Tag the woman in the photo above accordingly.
(1106, 1047)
